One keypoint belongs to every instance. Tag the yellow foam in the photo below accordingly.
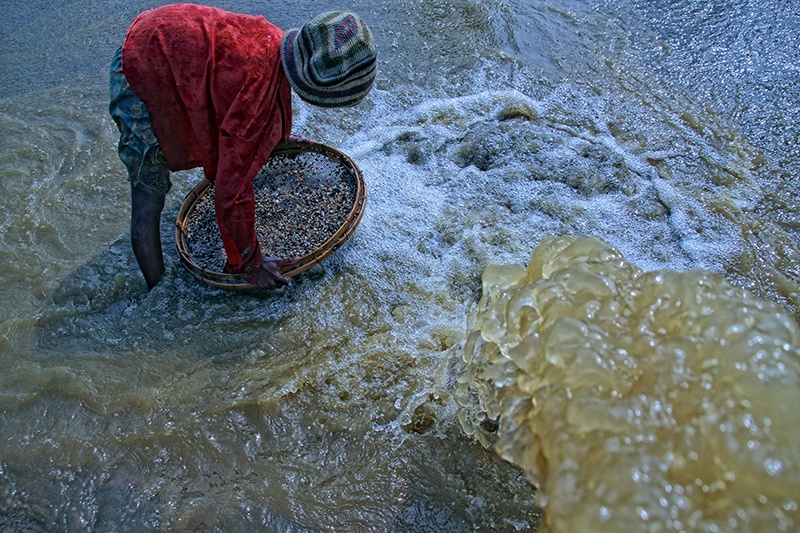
(638, 401)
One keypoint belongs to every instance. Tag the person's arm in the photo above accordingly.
(146, 234)
(234, 203)
(236, 220)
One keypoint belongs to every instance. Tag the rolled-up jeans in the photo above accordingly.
(138, 147)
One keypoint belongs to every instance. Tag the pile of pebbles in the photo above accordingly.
(302, 199)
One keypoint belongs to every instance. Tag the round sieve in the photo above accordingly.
(309, 200)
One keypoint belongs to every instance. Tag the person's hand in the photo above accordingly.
(269, 273)
(297, 138)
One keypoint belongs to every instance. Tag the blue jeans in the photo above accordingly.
(138, 146)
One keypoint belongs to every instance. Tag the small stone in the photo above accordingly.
(302, 200)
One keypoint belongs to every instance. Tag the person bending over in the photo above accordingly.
(197, 86)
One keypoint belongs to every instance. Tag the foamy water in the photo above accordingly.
(635, 401)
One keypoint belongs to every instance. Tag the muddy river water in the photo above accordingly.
(361, 398)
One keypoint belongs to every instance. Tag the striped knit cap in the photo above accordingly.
(331, 60)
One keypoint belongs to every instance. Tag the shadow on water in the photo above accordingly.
(204, 407)
(104, 306)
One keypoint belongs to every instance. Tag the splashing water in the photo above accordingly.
(637, 401)
(331, 405)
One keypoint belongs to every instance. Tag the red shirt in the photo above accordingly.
(218, 98)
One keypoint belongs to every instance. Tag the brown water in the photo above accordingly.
(637, 401)
(330, 405)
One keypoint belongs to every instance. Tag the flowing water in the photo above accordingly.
(668, 129)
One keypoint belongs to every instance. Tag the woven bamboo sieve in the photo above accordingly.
(335, 241)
